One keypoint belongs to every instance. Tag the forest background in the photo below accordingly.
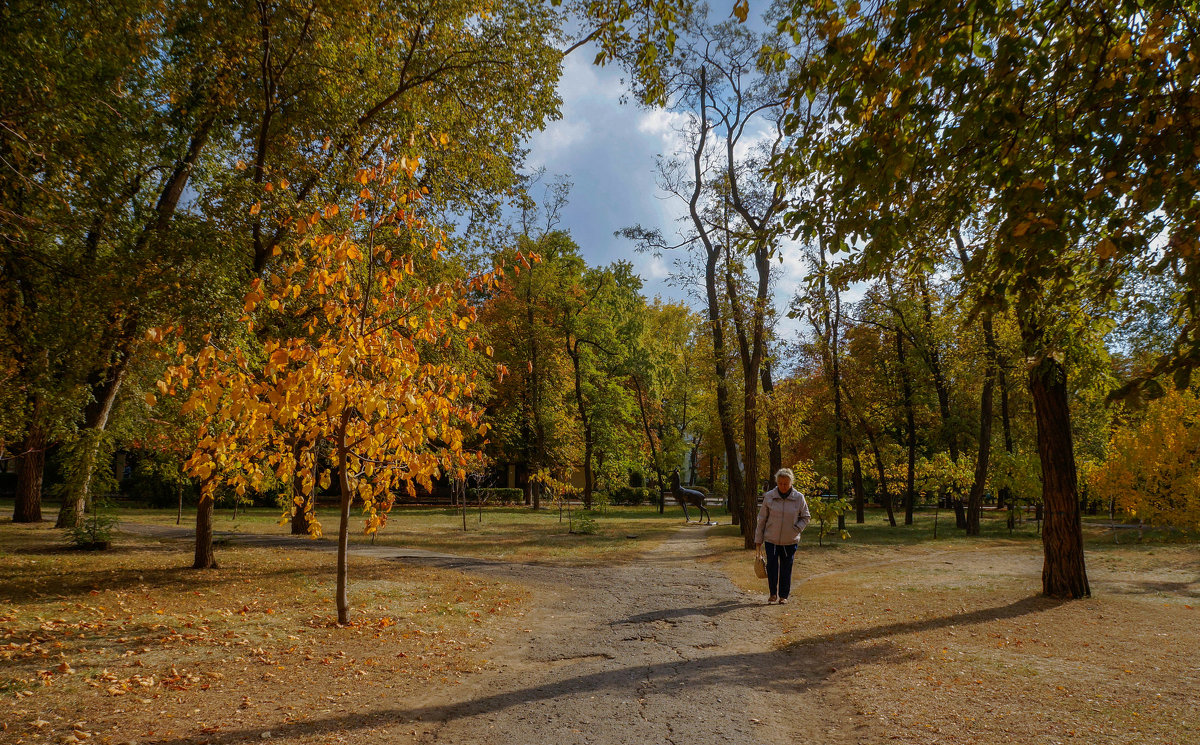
(291, 249)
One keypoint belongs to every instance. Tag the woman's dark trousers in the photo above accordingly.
(779, 568)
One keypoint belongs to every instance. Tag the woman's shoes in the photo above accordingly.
(772, 599)
(783, 601)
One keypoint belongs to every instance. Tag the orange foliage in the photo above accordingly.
(363, 368)
(1152, 467)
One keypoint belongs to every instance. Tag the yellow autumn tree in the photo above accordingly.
(1152, 471)
(365, 366)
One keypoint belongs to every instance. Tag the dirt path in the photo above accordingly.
(664, 649)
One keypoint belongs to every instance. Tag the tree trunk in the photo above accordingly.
(76, 502)
(774, 442)
(535, 395)
(975, 500)
(300, 509)
(662, 502)
(885, 497)
(712, 256)
(573, 353)
(856, 481)
(28, 507)
(1063, 571)
(910, 490)
(750, 460)
(343, 605)
(942, 387)
(204, 533)
(838, 416)
(752, 349)
(1005, 495)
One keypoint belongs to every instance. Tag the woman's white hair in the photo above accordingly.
(785, 472)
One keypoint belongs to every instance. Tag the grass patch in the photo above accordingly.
(507, 533)
(907, 639)
(127, 644)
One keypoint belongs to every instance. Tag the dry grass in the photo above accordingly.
(504, 533)
(948, 641)
(125, 645)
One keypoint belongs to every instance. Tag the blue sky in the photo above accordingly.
(608, 150)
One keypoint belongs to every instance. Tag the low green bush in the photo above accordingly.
(631, 496)
(495, 496)
(94, 531)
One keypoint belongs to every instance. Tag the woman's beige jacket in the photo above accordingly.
(780, 520)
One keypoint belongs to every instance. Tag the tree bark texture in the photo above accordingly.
(204, 558)
(28, 507)
(1063, 571)
(910, 434)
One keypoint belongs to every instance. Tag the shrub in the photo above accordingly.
(631, 496)
(495, 496)
(94, 531)
(583, 523)
(825, 513)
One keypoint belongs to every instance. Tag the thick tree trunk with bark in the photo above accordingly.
(1063, 571)
(712, 256)
(28, 507)
(838, 416)
(750, 463)
(204, 558)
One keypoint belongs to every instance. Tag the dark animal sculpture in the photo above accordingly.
(688, 496)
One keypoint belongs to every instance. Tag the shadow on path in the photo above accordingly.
(776, 669)
(709, 611)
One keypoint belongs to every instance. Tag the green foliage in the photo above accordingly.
(96, 528)
(583, 523)
(496, 496)
(807, 481)
(631, 496)
(825, 513)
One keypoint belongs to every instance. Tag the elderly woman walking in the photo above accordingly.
(782, 517)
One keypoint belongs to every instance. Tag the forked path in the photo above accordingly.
(664, 649)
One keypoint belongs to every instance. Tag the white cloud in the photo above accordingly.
(556, 139)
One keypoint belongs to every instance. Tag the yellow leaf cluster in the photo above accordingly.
(1152, 471)
(359, 375)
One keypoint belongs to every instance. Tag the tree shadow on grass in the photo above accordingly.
(17, 589)
(1155, 587)
(781, 670)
